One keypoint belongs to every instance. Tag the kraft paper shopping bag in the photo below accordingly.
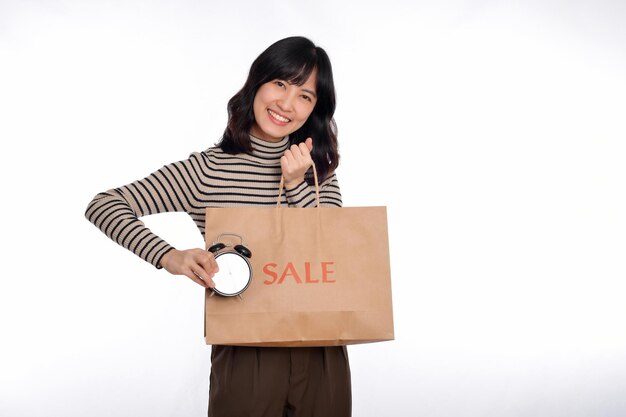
(320, 277)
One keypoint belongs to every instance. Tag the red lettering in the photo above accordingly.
(271, 273)
(290, 271)
(326, 271)
(307, 269)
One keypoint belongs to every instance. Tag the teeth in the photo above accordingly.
(278, 117)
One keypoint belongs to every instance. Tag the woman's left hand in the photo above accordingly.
(295, 162)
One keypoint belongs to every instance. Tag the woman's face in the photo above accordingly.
(281, 108)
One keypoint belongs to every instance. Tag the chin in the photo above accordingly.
(274, 135)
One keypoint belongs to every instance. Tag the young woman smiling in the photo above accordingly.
(279, 124)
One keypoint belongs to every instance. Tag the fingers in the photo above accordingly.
(301, 150)
(207, 261)
(297, 153)
(204, 266)
(200, 276)
(296, 161)
(197, 264)
(196, 276)
(289, 157)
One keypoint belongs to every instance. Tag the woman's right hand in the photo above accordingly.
(197, 264)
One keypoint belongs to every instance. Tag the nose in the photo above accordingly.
(286, 101)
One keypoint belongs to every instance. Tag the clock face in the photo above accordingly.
(234, 275)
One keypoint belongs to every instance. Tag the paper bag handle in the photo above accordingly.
(317, 188)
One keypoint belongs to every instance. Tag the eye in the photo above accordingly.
(307, 98)
(279, 83)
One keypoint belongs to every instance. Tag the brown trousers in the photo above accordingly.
(280, 382)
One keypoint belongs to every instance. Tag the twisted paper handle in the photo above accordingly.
(317, 188)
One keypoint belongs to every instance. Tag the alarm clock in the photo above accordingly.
(235, 272)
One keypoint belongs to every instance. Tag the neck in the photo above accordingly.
(269, 150)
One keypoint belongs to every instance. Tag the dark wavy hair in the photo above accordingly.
(291, 59)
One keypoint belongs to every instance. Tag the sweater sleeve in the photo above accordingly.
(303, 195)
(116, 212)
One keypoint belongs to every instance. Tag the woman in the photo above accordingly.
(280, 123)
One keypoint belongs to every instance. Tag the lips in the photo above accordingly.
(278, 117)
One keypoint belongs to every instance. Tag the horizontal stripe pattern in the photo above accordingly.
(210, 178)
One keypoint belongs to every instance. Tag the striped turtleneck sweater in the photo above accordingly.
(211, 178)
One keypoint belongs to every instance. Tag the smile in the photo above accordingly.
(278, 117)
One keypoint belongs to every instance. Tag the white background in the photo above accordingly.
(493, 130)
